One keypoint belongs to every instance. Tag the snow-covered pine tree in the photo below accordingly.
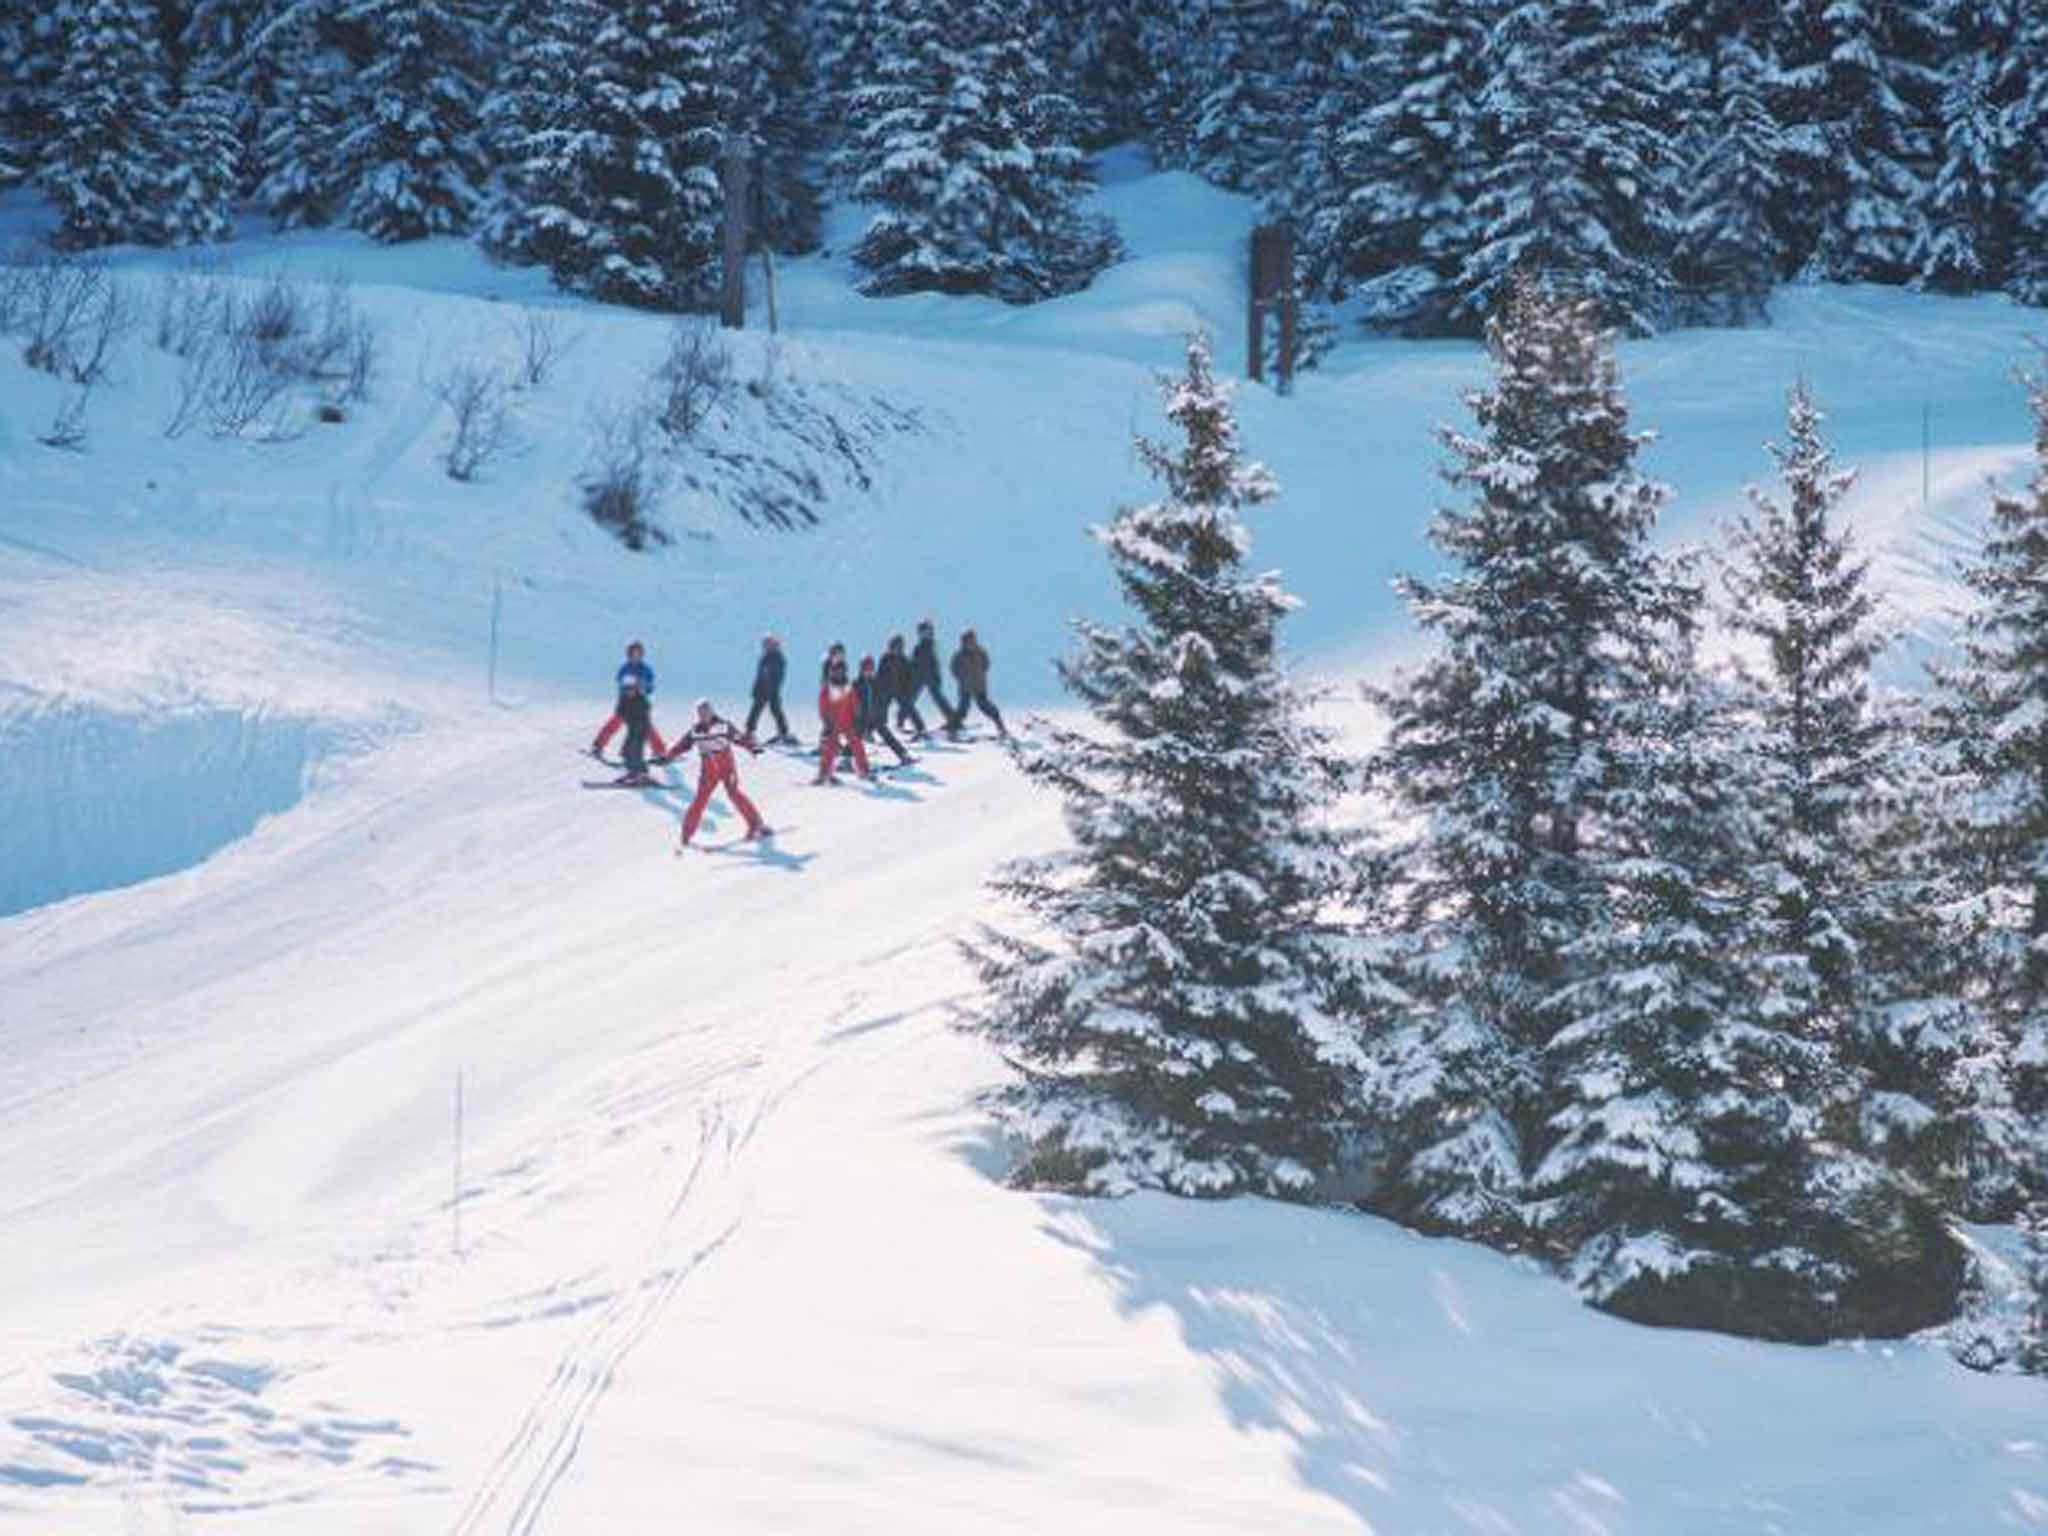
(527, 114)
(2026, 131)
(1796, 587)
(1855, 138)
(1172, 41)
(964, 155)
(2033, 1234)
(31, 51)
(1728, 255)
(1396, 224)
(616, 189)
(1101, 46)
(1189, 1020)
(1502, 752)
(1840, 956)
(297, 166)
(1970, 221)
(767, 87)
(1688, 1179)
(1990, 734)
(202, 174)
(412, 158)
(107, 157)
(1248, 123)
(217, 44)
(1572, 192)
(843, 38)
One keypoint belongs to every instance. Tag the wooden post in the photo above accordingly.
(1283, 285)
(732, 302)
(1272, 287)
(768, 283)
(1255, 317)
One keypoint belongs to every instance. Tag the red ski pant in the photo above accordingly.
(835, 741)
(715, 770)
(611, 729)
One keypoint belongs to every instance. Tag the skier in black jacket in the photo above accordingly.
(768, 674)
(896, 688)
(871, 716)
(924, 671)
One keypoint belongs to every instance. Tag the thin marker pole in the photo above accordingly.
(1926, 458)
(497, 603)
(455, 1205)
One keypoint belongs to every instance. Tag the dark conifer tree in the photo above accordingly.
(1397, 223)
(1854, 137)
(1991, 739)
(616, 189)
(1186, 1021)
(964, 154)
(205, 171)
(1970, 220)
(1728, 254)
(1690, 1178)
(1502, 750)
(299, 133)
(1575, 140)
(1248, 123)
(412, 157)
(769, 109)
(109, 156)
(2026, 131)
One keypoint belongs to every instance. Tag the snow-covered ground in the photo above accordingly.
(724, 1249)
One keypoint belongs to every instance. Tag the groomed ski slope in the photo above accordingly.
(729, 1253)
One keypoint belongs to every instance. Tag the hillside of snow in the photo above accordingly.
(289, 882)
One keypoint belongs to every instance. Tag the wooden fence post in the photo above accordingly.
(732, 300)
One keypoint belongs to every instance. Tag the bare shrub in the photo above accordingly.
(475, 396)
(359, 360)
(245, 386)
(14, 284)
(188, 305)
(542, 341)
(67, 427)
(695, 377)
(626, 476)
(111, 320)
(275, 316)
(73, 314)
(198, 370)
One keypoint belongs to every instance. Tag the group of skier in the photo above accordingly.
(853, 709)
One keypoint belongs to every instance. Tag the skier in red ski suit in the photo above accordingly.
(714, 738)
(839, 710)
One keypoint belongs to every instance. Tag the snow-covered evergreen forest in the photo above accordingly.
(1674, 158)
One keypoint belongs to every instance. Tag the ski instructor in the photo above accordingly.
(714, 738)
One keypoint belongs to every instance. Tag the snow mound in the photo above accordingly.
(94, 799)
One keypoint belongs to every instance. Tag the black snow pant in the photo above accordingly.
(907, 717)
(980, 700)
(639, 718)
(945, 709)
(878, 725)
(772, 702)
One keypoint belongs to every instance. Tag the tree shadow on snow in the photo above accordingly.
(1282, 1326)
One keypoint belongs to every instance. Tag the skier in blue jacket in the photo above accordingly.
(636, 700)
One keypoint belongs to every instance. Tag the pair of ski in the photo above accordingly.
(741, 844)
